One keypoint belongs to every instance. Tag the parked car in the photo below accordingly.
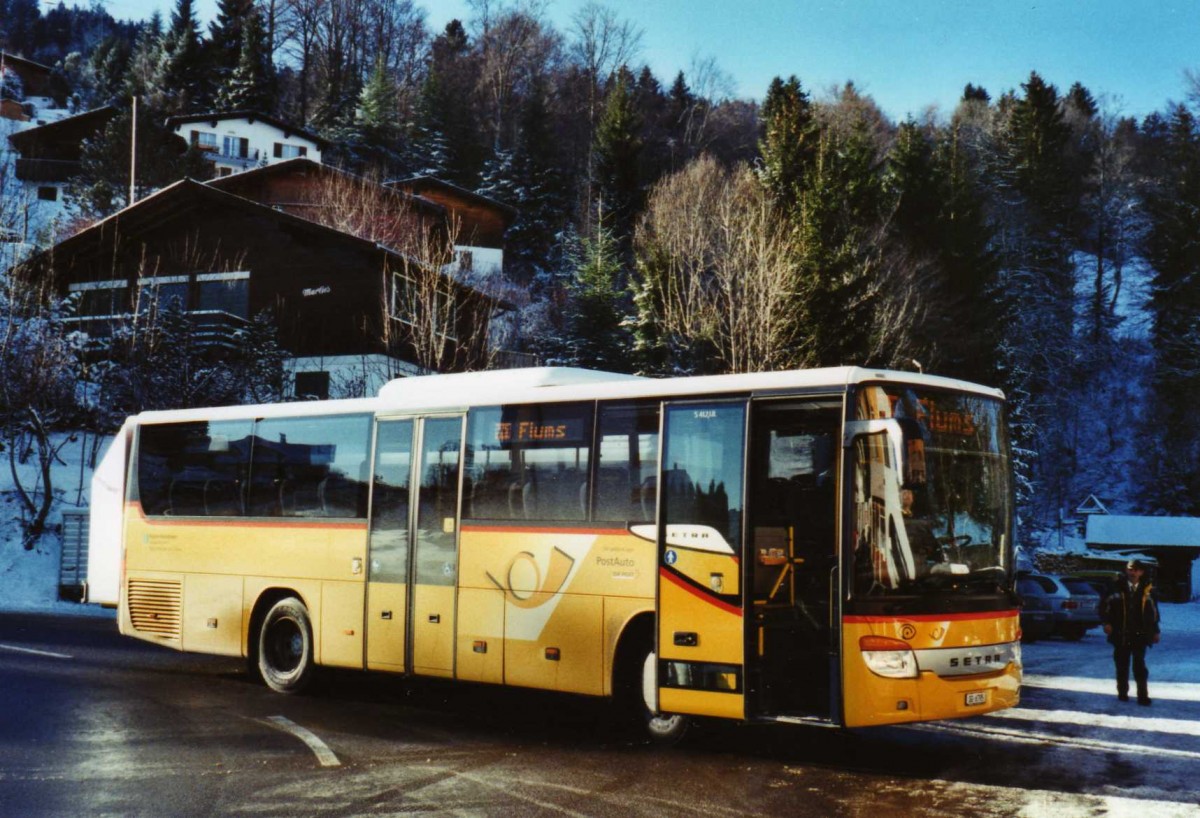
(1074, 614)
(1037, 614)
(1083, 607)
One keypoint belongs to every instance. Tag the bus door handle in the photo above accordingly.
(687, 639)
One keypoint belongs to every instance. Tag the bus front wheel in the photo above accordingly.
(285, 647)
(663, 728)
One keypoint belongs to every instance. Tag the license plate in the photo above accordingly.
(979, 697)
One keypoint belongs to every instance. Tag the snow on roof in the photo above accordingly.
(1134, 531)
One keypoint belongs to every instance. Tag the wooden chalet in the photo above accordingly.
(325, 194)
(35, 77)
(226, 257)
(236, 141)
(50, 154)
(482, 221)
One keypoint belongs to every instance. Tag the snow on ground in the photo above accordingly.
(29, 579)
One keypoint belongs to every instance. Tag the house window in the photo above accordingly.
(100, 298)
(422, 304)
(285, 151)
(48, 193)
(204, 141)
(163, 292)
(224, 292)
(235, 147)
(312, 385)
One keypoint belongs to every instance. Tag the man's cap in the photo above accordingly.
(1138, 564)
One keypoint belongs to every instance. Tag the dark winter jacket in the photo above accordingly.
(1133, 615)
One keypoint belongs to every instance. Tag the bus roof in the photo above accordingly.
(552, 384)
(556, 384)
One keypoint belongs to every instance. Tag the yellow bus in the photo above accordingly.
(829, 546)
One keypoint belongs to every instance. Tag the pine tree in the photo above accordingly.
(447, 140)
(618, 149)
(837, 217)
(226, 38)
(789, 141)
(251, 85)
(1173, 207)
(596, 313)
(108, 67)
(145, 59)
(937, 215)
(378, 107)
(1036, 172)
(181, 84)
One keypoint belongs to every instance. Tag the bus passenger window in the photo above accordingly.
(193, 469)
(310, 467)
(529, 462)
(627, 462)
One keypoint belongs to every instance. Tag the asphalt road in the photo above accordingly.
(95, 724)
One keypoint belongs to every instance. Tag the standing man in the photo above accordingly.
(1131, 622)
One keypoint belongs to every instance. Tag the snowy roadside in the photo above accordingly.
(29, 579)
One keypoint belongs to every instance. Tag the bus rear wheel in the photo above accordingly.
(285, 647)
(663, 728)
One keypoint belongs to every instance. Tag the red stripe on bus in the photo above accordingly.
(694, 591)
(959, 617)
(502, 529)
(236, 522)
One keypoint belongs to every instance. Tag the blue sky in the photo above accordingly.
(907, 54)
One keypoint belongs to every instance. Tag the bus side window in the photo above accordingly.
(627, 462)
(310, 467)
(192, 469)
(529, 462)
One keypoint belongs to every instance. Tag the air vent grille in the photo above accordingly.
(155, 606)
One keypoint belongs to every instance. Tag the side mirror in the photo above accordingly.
(890, 426)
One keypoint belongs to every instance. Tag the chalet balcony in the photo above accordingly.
(232, 160)
(46, 170)
(213, 331)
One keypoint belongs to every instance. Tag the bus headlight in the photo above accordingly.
(888, 657)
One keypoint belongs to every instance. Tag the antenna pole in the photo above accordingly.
(133, 155)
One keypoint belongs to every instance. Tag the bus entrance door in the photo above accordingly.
(792, 556)
(700, 625)
(387, 575)
(414, 545)
(434, 574)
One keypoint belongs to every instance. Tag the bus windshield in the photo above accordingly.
(931, 493)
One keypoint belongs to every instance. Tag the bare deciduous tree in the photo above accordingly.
(718, 271)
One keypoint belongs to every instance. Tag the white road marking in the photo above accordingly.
(1036, 737)
(1177, 691)
(323, 753)
(15, 649)
(1178, 727)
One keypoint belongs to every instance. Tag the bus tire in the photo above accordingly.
(285, 647)
(662, 728)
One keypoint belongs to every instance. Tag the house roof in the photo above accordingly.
(417, 184)
(184, 196)
(303, 165)
(1143, 532)
(68, 129)
(1092, 505)
(13, 59)
(213, 117)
